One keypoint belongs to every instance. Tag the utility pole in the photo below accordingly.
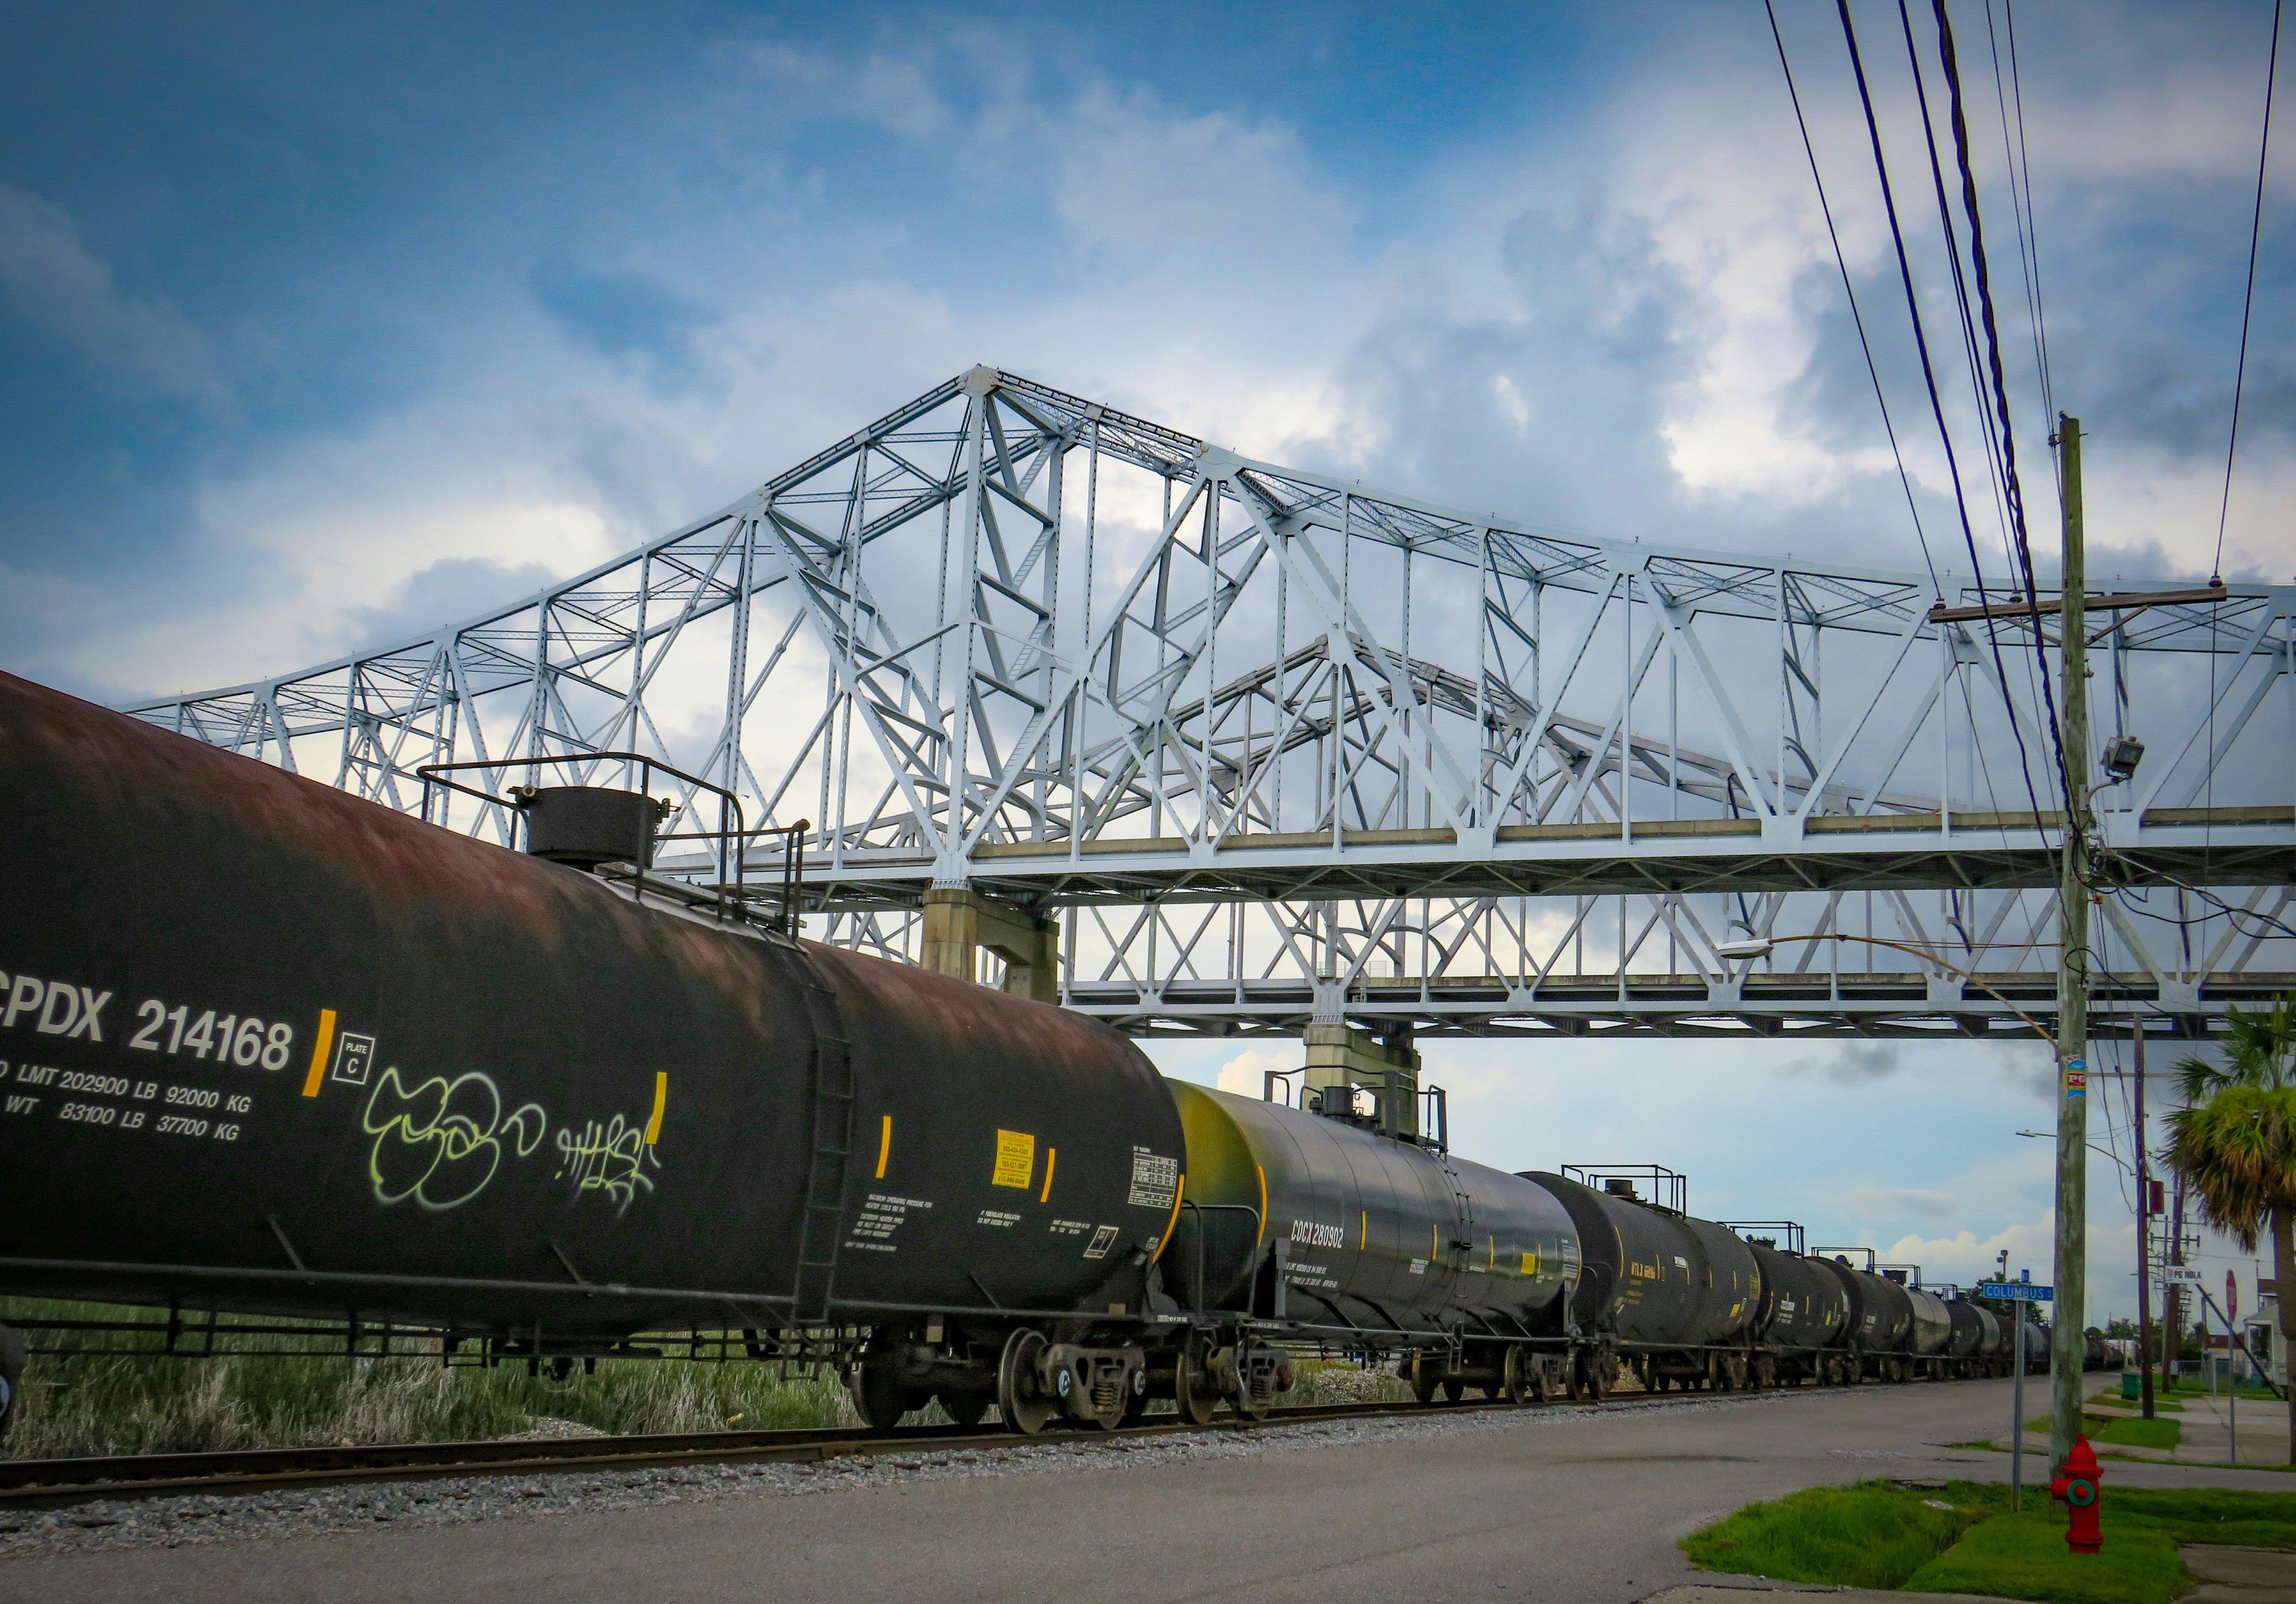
(2173, 1335)
(2068, 1345)
(2144, 1232)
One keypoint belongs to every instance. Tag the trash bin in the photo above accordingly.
(2132, 1384)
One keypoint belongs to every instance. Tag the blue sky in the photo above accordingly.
(321, 322)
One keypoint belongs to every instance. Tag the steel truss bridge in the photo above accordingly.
(1267, 748)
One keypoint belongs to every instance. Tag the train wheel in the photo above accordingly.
(1421, 1377)
(964, 1409)
(1019, 1399)
(1193, 1387)
(1511, 1386)
(877, 1395)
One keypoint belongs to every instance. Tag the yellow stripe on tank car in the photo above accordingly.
(1263, 1205)
(319, 1053)
(1052, 1157)
(884, 1146)
(661, 1102)
(1178, 1192)
(1363, 1240)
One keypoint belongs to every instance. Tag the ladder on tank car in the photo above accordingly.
(829, 1143)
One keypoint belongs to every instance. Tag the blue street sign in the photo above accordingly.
(2018, 1291)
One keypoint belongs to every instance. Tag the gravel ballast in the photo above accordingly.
(300, 1512)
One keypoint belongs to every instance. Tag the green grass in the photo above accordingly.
(1873, 1534)
(1881, 1535)
(2141, 1433)
(79, 1403)
(2129, 1431)
(2024, 1556)
(2091, 1425)
(2161, 1402)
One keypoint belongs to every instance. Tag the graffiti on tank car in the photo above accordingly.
(610, 1158)
(441, 1143)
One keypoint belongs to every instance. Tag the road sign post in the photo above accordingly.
(2018, 1292)
(2017, 1425)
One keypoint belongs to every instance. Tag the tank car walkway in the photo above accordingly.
(1543, 1505)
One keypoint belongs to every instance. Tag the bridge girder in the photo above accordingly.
(1007, 639)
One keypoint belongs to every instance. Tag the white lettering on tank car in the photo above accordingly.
(1306, 1233)
(57, 1007)
(1102, 1240)
(881, 1214)
(1154, 1180)
(354, 1055)
(245, 1041)
(995, 1218)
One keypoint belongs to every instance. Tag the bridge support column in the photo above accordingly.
(958, 923)
(1341, 1055)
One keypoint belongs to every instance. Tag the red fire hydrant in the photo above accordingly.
(2076, 1483)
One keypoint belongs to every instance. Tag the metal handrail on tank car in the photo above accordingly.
(1434, 1098)
(1789, 1231)
(1675, 1184)
(739, 835)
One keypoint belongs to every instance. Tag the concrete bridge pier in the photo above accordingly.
(959, 922)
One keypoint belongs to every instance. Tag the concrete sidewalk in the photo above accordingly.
(2208, 1433)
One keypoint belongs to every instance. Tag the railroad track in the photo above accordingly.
(40, 1484)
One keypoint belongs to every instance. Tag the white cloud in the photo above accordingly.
(1246, 1074)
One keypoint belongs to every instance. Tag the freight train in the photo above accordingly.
(269, 1048)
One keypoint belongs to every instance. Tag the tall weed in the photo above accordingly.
(78, 1402)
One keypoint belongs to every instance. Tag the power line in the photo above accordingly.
(1928, 378)
(2019, 163)
(1842, 262)
(2248, 304)
(2013, 492)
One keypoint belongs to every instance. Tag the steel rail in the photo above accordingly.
(48, 1484)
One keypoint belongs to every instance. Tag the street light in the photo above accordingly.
(2108, 1152)
(1760, 946)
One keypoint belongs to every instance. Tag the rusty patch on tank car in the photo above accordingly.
(406, 867)
(967, 1011)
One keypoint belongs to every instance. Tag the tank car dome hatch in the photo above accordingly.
(583, 826)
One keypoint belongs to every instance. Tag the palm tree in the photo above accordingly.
(2235, 1143)
(2259, 1049)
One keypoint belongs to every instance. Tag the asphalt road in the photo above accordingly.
(1578, 1510)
